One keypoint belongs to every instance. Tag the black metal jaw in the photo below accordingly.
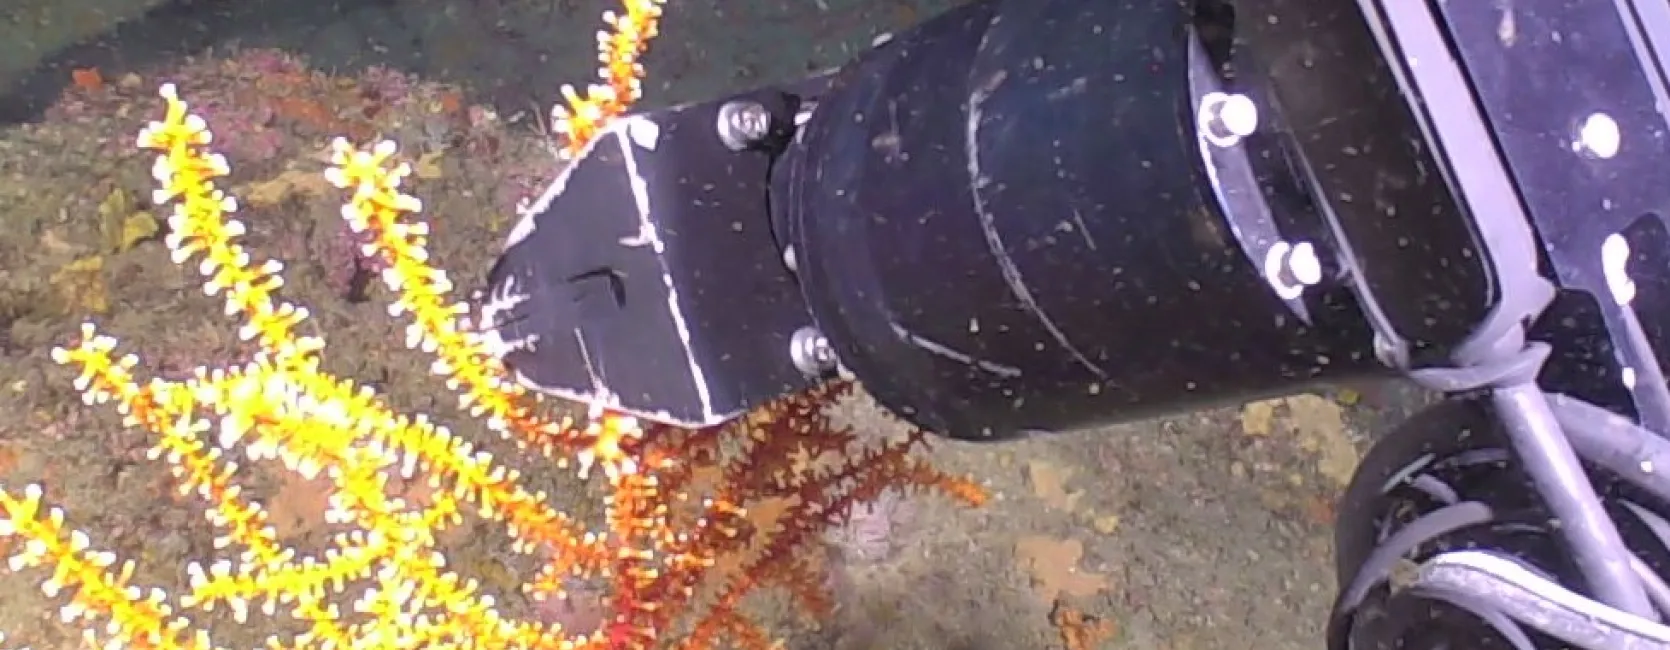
(647, 278)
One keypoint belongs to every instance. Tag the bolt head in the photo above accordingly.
(822, 352)
(1238, 115)
(1224, 119)
(743, 123)
(1598, 136)
(812, 353)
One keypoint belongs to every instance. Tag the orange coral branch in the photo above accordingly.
(622, 74)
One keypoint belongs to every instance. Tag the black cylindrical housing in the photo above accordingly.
(1003, 224)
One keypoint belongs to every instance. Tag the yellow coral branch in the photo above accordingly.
(377, 208)
(134, 616)
(166, 409)
(268, 412)
(299, 419)
(338, 405)
(281, 406)
(200, 226)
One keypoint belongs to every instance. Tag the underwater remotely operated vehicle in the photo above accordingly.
(1033, 216)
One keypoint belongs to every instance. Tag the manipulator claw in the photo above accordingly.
(648, 277)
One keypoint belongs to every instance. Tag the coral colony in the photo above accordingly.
(695, 521)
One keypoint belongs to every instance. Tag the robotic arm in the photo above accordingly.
(1031, 216)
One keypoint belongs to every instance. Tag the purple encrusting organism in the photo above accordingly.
(245, 132)
(347, 264)
(267, 61)
(387, 84)
(250, 139)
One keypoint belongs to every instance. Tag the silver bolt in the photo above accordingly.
(1223, 118)
(1614, 265)
(1598, 137)
(743, 124)
(1290, 267)
(1304, 264)
(1390, 353)
(790, 260)
(811, 352)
